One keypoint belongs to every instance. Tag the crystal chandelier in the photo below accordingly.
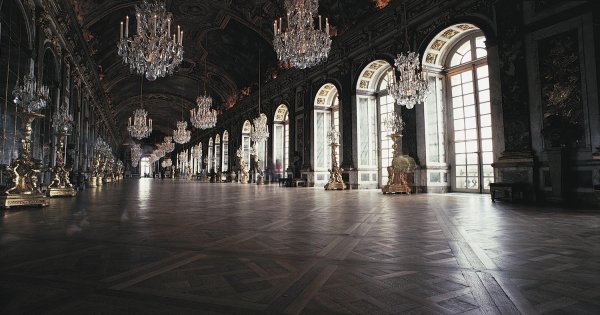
(168, 146)
(62, 121)
(152, 51)
(32, 96)
(203, 117)
(260, 130)
(159, 152)
(301, 45)
(136, 155)
(240, 152)
(197, 151)
(411, 87)
(140, 126)
(181, 135)
(182, 158)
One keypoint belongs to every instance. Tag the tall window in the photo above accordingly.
(246, 129)
(327, 115)
(281, 140)
(471, 114)
(374, 104)
(261, 148)
(210, 167)
(217, 159)
(225, 151)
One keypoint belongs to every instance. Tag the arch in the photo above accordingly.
(326, 114)
(458, 73)
(210, 165)
(217, 152)
(225, 141)
(371, 73)
(281, 140)
(246, 129)
(373, 105)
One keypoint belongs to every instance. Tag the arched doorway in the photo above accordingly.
(326, 115)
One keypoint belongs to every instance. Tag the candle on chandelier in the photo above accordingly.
(169, 26)
(127, 26)
(129, 123)
(137, 23)
(121, 32)
(178, 33)
(181, 38)
(319, 22)
(275, 27)
(327, 25)
(155, 24)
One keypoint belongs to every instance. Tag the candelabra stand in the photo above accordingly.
(108, 171)
(101, 168)
(23, 172)
(61, 185)
(93, 180)
(335, 174)
(400, 170)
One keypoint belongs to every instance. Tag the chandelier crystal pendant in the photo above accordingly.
(168, 146)
(300, 44)
(181, 135)
(411, 86)
(393, 123)
(153, 50)
(32, 95)
(62, 121)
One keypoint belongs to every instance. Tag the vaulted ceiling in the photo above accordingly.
(228, 33)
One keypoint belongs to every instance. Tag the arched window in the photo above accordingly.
(261, 148)
(210, 166)
(373, 105)
(281, 140)
(225, 151)
(326, 116)
(460, 51)
(217, 159)
(246, 129)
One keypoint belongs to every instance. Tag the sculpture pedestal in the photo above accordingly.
(92, 181)
(99, 181)
(396, 189)
(8, 201)
(335, 174)
(335, 186)
(61, 192)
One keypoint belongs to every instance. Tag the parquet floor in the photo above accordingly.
(176, 247)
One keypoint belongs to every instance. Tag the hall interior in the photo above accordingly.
(299, 157)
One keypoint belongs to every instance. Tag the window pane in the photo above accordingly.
(469, 99)
(482, 72)
(457, 102)
(484, 96)
(467, 87)
(470, 123)
(459, 147)
(459, 136)
(487, 157)
(484, 108)
(483, 84)
(472, 158)
(461, 170)
(459, 124)
(486, 133)
(457, 90)
(469, 111)
(461, 159)
(480, 53)
(472, 147)
(486, 120)
(471, 134)
(486, 145)
(466, 58)
(458, 113)
(455, 80)
(461, 182)
(467, 76)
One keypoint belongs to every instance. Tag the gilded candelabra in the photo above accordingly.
(23, 172)
(93, 180)
(61, 186)
(402, 166)
(335, 173)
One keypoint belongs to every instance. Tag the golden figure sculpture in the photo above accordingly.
(258, 171)
(23, 173)
(61, 185)
(335, 173)
(400, 171)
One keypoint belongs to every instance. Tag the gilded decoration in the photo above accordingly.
(368, 74)
(431, 58)
(400, 172)
(437, 44)
(374, 66)
(323, 92)
(364, 84)
(449, 33)
(320, 101)
(465, 27)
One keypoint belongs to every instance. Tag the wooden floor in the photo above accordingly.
(175, 247)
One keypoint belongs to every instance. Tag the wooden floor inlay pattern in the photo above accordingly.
(179, 247)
